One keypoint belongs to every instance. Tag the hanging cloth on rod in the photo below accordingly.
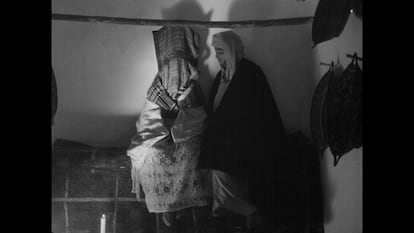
(344, 111)
(185, 23)
(319, 107)
(318, 111)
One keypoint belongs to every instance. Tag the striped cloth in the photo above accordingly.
(177, 56)
(194, 98)
(158, 94)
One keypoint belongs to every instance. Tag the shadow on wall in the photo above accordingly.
(192, 10)
(285, 55)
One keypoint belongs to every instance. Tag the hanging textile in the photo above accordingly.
(177, 56)
(330, 19)
(319, 108)
(54, 95)
(164, 152)
(344, 112)
(318, 111)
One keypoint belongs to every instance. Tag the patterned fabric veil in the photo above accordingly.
(177, 56)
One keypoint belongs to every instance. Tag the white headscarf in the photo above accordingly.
(233, 51)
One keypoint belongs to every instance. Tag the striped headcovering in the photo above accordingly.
(177, 56)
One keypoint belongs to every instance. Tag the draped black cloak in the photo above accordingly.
(245, 137)
(245, 134)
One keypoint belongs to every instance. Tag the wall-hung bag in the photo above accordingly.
(344, 111)
(318, 111)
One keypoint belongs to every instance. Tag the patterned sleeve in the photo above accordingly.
(157, 94)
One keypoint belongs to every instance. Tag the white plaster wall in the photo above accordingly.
(103, 72)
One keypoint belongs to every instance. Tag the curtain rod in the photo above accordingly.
(355, 55)
(189, 23)
(326, 64)
(93, 199)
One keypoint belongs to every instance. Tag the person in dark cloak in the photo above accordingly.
(243, 137)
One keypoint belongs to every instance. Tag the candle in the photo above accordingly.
(103, 223)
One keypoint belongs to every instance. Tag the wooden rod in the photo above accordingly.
(189, 23)
(65, 205)
(116, 202)
(325, 64)
(88, 150)
(96, 168)
(354, 56)
(93, 199)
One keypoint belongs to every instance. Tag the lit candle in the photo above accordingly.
(103, 223)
